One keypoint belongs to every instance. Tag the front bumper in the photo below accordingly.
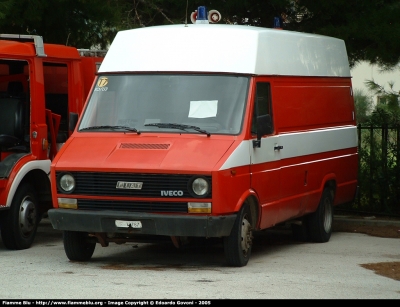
(152, 224)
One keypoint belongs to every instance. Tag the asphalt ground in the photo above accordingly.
(280, 267)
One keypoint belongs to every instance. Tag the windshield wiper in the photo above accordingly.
(130, 129)
(179, 126)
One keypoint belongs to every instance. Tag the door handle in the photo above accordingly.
(278, 147)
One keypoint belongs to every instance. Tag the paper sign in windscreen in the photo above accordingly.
(203, 108)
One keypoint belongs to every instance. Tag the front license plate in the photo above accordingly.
(127, 224)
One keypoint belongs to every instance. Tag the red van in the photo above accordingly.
(208, 130)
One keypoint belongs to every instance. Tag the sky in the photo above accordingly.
(364, 71)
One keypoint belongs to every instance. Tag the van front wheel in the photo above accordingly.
(237, 246)
(78, 246)
(319, 223)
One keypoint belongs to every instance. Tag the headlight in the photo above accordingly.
(200, 186)
(66, 183)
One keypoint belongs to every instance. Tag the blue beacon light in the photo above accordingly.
(201, 15)
(278, 23)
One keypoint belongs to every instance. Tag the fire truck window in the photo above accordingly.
(14, 109)
(13, 78)
(262, 103)
(56, 94)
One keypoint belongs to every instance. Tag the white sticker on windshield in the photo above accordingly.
(203, 108)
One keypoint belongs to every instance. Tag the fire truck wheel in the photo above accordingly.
(78, 246)
(237, 246)
(19, 226)
(319, 223)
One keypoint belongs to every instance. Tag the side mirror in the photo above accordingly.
(264, 126)
(73, 120)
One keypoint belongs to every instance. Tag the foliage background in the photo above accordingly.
(370, 28)
(379, 151)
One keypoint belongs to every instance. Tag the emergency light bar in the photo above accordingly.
(202, 16)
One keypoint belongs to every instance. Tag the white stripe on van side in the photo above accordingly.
(294, 145)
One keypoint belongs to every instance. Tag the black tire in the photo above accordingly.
(20, 223)
(319, 223)
(237, 246)
(78, 246)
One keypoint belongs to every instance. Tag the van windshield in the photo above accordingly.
(160, 103)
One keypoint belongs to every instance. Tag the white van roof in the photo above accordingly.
(226, 49)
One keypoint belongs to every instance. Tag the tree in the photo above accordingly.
(81, 23)
(370, 28)
(387, 110)
(379, 155)
(363, 105)
(158, 12)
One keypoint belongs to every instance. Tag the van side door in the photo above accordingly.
(265, 159)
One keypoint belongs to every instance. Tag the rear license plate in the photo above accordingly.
(127, 224)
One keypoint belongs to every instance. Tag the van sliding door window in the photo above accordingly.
(262, 104)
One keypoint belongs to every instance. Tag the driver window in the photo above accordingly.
(262, 104)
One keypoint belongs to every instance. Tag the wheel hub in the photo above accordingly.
(27, 216)
(247, 236)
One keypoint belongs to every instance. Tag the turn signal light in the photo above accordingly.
(199, 207)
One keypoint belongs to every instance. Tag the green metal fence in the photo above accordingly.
(379, 170)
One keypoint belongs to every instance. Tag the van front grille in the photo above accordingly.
(152, 185)
(89, 204)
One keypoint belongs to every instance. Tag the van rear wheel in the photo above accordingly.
(78, 246)
(319, 223)
(237, 246)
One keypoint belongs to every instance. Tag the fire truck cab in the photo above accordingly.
(209, 130)
(39, 85)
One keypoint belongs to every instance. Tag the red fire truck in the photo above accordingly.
(39, 85)
(213, 131)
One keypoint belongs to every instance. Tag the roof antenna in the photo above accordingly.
(186, 13)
